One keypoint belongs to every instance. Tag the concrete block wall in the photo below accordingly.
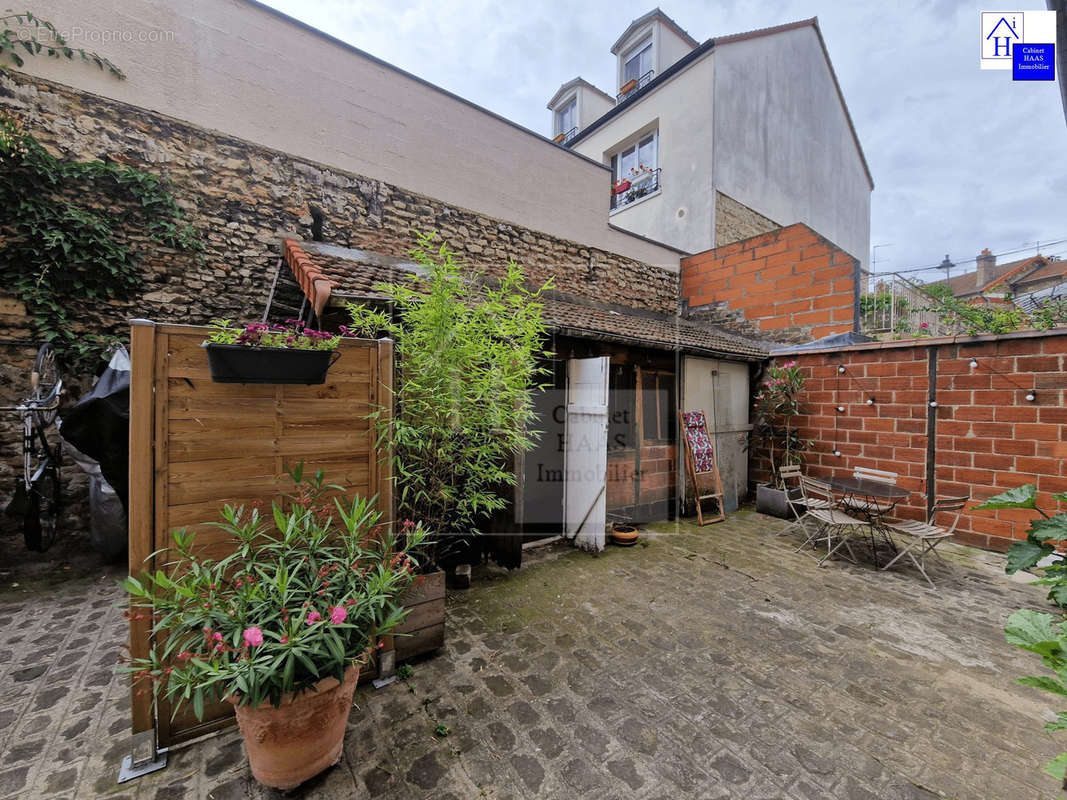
(789, 284)
(988, 437)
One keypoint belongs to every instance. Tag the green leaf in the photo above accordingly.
(1032, 630)
(1047, 684)
(1058, 593)
(1053, 529)
(1026, 554)
(1059, 725)
(1020, 497)
(1057, 766)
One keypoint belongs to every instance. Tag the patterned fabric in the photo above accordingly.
(696, 433)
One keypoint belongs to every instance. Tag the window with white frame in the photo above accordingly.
(635, 170)
(567, 116)
(643, 153)
(638, 62)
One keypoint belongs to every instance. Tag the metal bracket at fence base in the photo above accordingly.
(386, 669)
(143, 757)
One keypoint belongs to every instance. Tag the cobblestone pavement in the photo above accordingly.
(711, 663)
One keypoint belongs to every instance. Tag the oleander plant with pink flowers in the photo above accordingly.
(777, 404)
(309, 588)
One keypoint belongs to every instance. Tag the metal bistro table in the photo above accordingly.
(865, 489)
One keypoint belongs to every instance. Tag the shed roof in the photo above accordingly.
(353, 274)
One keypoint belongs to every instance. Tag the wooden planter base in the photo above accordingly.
(423, 629)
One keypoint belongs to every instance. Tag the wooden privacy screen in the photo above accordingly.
(197, 445)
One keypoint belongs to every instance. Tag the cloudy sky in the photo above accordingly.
(962, 159)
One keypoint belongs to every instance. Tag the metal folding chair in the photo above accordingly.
(795, 498)
(834, 527)
(926, 536)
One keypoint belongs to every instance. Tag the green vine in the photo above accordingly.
(63, 237)
(34, 36)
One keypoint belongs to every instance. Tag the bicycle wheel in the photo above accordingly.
(41, 521)
(46, 383)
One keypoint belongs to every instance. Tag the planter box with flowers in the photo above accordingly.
(282, 625)
(640, 174)
(262, 353)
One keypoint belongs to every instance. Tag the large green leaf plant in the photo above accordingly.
(1035, 631)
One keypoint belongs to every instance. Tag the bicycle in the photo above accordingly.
(38, 495)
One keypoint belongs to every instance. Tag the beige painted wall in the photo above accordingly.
(682, 213)
(239, 68)
(721, 390)
(783, 146)
(591, 107)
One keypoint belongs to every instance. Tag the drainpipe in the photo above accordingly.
(856, 296)
(931, 430)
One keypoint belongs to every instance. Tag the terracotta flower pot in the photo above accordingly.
(624, 535)
(303, 736)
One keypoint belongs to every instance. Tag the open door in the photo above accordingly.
(585, 453)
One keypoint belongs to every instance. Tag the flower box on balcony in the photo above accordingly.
(622, 186)
(637, 177)
(628, 87)
(559, 137)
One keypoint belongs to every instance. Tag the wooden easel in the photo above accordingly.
(701, 463)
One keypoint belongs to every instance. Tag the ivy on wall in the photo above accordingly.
(63, 235)
(25, 33)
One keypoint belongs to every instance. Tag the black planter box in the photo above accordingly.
(236, 363)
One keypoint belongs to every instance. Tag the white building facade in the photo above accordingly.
(714, 142)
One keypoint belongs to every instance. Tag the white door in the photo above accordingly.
(585, 452)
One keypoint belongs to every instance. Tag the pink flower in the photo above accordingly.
(924, 325)
(284, 640)
(338, 615)
(253, 637)
(313, 617)
(789, 364)
(217, 636)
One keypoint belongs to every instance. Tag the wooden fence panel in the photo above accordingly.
(196, 445)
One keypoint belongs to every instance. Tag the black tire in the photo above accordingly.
(45, 504)
(45, 382)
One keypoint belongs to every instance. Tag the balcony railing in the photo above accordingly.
(896, 306)
(564, 138)
(635, 191)
(634, 85)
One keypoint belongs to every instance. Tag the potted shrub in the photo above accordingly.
(777, 404)
(469, 353)
(260, 353)
(282, 624)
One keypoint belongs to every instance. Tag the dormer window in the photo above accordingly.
(567, 116)
(638, 63)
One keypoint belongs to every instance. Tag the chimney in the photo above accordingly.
(986, 263)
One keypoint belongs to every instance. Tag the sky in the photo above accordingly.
(962, 158)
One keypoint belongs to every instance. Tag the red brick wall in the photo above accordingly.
(790, 283)
(989, 438)
(657, 480)
(657, 473)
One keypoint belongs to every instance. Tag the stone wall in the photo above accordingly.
(243, 198)
(735, 221)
